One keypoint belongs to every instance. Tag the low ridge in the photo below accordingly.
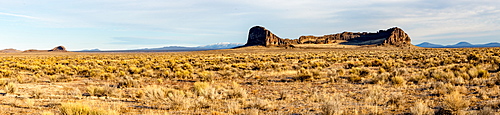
(10, 50)
(56, 49)
(260, 36)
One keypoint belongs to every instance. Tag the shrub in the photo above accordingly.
(80, 109)
(362, 72)
(178, 100)
(201, 88)
(483, 73)
(486, 111)
(96, 73)
(441, 75)
(396, 99)
(135, 70)
(341, 72)
(381, 70)
(237, 91)
(420, 108)
(354, 79)
(233, 107)
(3, 82)
(417, 79)
(455, 102)
(332, 74)
(261, 104)
(333, 106)
(380, 78)
(60, 78)
(11, 88)
(205, 76)
(128, 82)
(352, 64)
(441, 88)
(6, 73)
(473, 73)
(376, 62)
(398, 80)
(47, 113)
(183, 74)
(99, 91)
(154, 94)
(252, 111)
(37, 94)
(457, 81)
(375, 95)
(108, 76)
(304, 75)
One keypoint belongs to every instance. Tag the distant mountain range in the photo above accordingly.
(216, 46)
(92, 50)
(458, 45)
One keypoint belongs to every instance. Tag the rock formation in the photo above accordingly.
(58, 49)
(392, 37)
(261, 36)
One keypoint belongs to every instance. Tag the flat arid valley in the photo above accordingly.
(338, 74)
(249, 57)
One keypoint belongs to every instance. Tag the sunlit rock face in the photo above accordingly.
(260, 36)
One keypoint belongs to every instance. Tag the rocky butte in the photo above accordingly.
(58, 49)
(260, 36)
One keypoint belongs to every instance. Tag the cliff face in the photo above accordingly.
(397, 38)
(261, 36)
(392, 37)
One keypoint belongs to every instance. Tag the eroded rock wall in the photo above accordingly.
(261, 36)
(391, 37)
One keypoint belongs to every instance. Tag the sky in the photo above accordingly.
(134, 24)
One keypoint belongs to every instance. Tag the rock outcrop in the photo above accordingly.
(58, 49)
(261, 36)
(392, 37)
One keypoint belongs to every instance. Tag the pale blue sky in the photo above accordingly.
(132, 24)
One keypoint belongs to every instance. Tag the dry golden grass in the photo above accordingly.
(253, 81)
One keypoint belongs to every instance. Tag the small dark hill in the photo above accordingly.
(56, 49)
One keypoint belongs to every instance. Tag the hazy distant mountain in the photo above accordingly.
(222, 45)
(429, 45)
(461, 44)
(458, 45)
(216, 46)
(91, 50)
(493, 44)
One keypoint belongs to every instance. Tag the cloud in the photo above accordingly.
(139, 41)
(18, 15)
(425, 19)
